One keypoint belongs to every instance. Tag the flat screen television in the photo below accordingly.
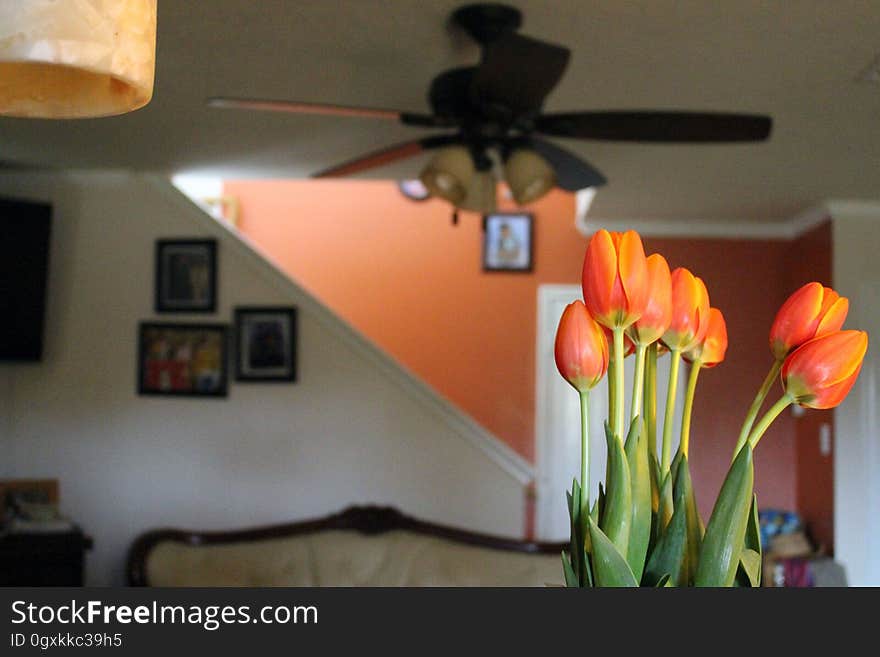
(24, 269)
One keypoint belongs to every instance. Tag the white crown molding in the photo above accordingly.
(787, 229)
(843, 209)
(461, 424)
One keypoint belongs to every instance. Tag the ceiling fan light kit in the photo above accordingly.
(495, 107)
(76, 58)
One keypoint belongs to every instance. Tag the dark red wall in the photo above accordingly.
(810, 259)
(747, 281)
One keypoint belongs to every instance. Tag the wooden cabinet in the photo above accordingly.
(43, 559)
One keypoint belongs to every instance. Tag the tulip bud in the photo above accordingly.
(615, 278)
(820, 373)
(581, 348)
(710, 351)
(690, 311)
(810, 312)
(658, 309)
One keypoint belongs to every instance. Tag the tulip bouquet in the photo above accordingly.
(644, 527)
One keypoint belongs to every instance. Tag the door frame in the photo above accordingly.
(545, 368)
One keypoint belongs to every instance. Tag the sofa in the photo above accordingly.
(360, 546)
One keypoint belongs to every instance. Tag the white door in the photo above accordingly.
(557, 420)
(870, 296)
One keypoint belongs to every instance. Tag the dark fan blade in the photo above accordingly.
(386, 156)
(321, 109)
(657, 126)
(517, 73)
(572, 173)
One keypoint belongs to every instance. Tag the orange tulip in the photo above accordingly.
(820, 373)
(658, 310)
(812, 311)
(581, 348)
(690, 311)
(615, 277)
(710, 351)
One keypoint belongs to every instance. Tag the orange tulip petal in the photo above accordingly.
(658, 308)
(795, 323)
(834, 317)
(633, 269)
(836, 393)
(599, 272)
(816, 371)
(581, 350)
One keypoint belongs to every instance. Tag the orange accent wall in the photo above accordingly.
(404, 276)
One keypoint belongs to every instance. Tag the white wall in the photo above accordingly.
(355, 429)
(856, 241)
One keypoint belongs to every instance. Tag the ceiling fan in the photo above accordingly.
(494, 108)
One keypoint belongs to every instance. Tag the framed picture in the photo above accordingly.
(182, 359)
(507, 242)
(186, 276)
(265, 340)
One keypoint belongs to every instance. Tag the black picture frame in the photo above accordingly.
(276, 329)
(171, 365)
(180, 285)
(523, 226)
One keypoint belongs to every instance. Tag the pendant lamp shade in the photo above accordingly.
(65, 59)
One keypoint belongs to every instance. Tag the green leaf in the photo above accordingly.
(588, 570)
(673, 467)
(664, 512)
(750, 562)
(599, 504)
(636, 449)
(725, 533)
(684, 490)
(617, 514)
(577, 536)
(663, 581)
(753, 531)
(609, 566)
(744, 575)
(571, 579)
(670, 556)
(654, 467)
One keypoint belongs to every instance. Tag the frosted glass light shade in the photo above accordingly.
(64, 59)
(448, 175)
(481, 193)
(528, 175)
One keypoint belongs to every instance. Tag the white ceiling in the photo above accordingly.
(797, 60)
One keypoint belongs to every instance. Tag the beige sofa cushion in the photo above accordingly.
(348, 558)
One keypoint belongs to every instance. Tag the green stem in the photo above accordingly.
(651, 399)
(638, 383)
(620, 399)
(784, 402)
(689, 407)
(671, 389)
(585, 453)
(756, 406)
(612, 401)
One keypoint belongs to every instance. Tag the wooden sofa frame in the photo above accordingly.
(368, 520)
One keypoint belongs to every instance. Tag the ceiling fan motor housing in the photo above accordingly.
(485, 22)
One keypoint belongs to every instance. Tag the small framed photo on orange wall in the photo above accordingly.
(508, 242)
